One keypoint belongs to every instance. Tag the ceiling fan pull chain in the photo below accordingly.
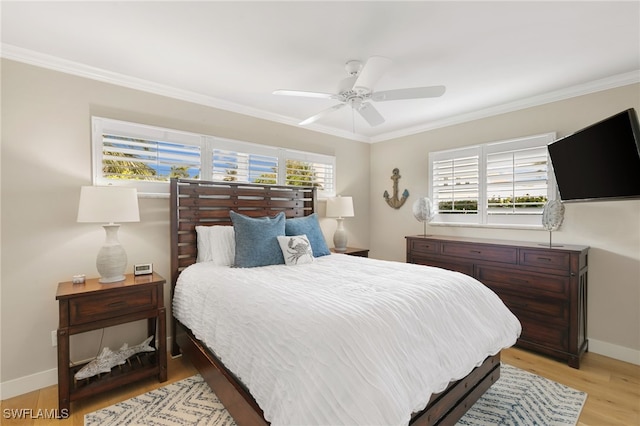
(353, 121)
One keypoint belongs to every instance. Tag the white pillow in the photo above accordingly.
(216, 244)
(296, 250)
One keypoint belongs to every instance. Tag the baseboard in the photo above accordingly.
(29, 383)
(33, 382)
(614, 351)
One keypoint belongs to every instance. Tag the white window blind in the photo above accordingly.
(455, 184)
(307, 169)
(244, 162)
(234, 166)
(139, 159)
(146, 157)
(502, 183)
(517, 181)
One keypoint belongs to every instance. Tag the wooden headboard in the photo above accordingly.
(198, 202)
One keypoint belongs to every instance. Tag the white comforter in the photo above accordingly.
(344, 340)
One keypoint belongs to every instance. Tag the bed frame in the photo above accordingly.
(196, 202)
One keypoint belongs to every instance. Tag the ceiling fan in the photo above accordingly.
(357, 91)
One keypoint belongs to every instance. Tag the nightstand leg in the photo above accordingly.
(162, 344)
(64, 380)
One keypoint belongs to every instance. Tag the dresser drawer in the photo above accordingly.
(506, 280)
(537, 310)
(450, 264)
(423, 246)
(546, 259)
(481, 252)
(544, 335)
(88, 309)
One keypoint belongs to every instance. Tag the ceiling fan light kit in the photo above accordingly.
(357, 91)
(353, 67)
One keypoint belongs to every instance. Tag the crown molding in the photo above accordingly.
(612, 82)
(74, 68)
(81, 70)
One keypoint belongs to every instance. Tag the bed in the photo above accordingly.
(251, 373)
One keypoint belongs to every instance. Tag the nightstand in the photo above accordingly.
(353, 251)
(92, 305)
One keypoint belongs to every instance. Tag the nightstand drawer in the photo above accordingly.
(90, 308)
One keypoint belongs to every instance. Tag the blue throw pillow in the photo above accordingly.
(257, 240)
(309, 226)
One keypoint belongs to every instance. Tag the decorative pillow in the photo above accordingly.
(256, 242)
(296, 250)
(216, 244)
(309, 226)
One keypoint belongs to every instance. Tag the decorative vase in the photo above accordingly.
(423, 211)
(552, 217)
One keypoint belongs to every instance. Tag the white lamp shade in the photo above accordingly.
(340, 207)
(108, 204)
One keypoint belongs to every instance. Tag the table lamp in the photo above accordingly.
(339, 208)
(109, 204)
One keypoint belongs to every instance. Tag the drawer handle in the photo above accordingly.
(519, 281)
(475, 251)
(546, 259)
(119, 304)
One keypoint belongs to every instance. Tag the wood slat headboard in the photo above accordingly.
(198, 202)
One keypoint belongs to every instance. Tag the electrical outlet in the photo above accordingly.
(54, 338)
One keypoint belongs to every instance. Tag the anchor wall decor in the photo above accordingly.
(394, 201)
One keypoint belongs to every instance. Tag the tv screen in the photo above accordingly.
(599, 162)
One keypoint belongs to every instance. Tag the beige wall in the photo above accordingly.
(46, 158)
(611, 229)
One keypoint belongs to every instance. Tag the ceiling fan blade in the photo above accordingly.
(321, 114)
(410, 93)
(369, 113)
(306, 94)
(375, 68)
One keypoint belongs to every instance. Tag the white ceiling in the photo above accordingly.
(492, 56)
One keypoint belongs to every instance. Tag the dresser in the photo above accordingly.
(545, 287)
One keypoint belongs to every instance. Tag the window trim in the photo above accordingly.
(482, 218)
(206, 143)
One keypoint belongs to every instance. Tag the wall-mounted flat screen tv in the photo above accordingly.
(599, 162)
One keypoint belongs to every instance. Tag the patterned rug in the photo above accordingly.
(517, 398)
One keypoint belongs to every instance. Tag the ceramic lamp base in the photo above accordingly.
(340, 237)
(112, 259)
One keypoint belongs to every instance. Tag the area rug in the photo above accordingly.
(517, 398)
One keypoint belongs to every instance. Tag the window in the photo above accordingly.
(307, 169)
(147, 157)
(502, 183)
(234, 161)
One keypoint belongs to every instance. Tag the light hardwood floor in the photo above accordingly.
(613, 387)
